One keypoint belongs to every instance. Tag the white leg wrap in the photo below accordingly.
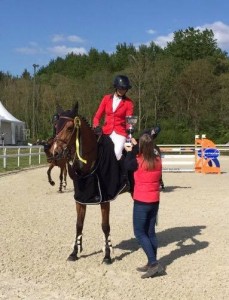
(108, 242)
(79, 244)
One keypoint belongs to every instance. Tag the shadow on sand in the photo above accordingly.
(171, 188)
(178, 235)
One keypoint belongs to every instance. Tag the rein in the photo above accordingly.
(94, 168)
(77, 124)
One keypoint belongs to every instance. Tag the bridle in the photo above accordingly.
(67, 149)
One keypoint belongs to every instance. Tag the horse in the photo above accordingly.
(56, 162)
(94, 169)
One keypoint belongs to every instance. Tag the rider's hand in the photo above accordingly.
(128, 147)
(98, 130)
(133, 141)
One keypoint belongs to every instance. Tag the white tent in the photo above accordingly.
(11, 128)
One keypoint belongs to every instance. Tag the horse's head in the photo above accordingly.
(75, 140)
(48, 150)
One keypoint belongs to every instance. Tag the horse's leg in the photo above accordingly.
(81, 211)
(65, 177)
(61, 179)
(105, 210)
(49, 174)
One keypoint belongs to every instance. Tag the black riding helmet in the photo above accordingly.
(122, 82)
(153, 132)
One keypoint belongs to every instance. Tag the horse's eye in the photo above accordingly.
(70, 128)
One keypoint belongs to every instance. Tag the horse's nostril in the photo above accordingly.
(55, 154)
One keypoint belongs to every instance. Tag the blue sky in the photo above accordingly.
(37, 31)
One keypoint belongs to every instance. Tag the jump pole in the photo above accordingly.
(178, 162)
(206, 156)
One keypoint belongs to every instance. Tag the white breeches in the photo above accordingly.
(119, 141)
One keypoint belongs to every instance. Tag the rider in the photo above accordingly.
(115, 107)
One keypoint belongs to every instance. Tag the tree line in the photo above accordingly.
(183, 87)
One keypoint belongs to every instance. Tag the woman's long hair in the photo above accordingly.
(146, 150)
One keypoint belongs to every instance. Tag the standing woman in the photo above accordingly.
(147, 170)
(115, 107)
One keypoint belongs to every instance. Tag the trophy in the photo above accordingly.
(131, 121)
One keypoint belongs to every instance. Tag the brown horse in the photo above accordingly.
(89, 161)
(56, 162)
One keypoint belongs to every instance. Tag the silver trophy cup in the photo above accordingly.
(131, 121)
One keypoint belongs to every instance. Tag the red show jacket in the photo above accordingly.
(114, 121)
(147, 183)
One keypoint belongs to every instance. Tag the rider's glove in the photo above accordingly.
(153, 132)
(98, 130)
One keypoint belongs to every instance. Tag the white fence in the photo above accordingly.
(181, 158)
(19, 152)
(174, 157)
(178, 163)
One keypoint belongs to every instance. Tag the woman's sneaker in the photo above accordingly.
(153, 270)
(143, 269)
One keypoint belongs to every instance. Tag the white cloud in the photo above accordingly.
(221, 33)
(220, 30)
(33, 44)
(69, 38)
(64, 50)
(61, 50)
(74, 38)
(151, 31)
(28, 50)
(163, 40)
(57, 38)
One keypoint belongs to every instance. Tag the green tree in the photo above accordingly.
(120, 57)
(194, 94)
(137, 72)
(26, 74)
(159, 82)
(192, 44)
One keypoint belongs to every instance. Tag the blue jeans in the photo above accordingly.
(144, 221)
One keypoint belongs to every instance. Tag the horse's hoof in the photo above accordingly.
(72, 257)
(52, 183)
(107, 261)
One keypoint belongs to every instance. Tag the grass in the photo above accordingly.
(11, 161)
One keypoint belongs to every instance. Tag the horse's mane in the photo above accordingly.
(70, 113)
(85, 120)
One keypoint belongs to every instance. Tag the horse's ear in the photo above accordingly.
(75, 108)
(59, 109)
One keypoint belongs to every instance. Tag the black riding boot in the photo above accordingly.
(124, 180)
(162, 184)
